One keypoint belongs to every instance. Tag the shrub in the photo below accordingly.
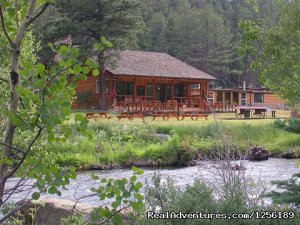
(165, 196)
(84, 98)
(291, 193)
(291, 125)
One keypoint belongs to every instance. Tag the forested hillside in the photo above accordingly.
(203, 33)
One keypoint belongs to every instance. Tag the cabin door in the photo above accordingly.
(160, 92)
(163, 92)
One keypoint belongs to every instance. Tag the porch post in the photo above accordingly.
(172, 91)
(223, 98)
(154, 88)
(190, 92)
(114, 92)
(134, 89)
(145, 93)
(231, 98)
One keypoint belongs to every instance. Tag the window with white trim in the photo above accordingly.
(98, 86)
(195, 86)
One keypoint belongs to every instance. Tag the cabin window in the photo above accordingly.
(125, 88)
(258, 98)
(140, 91)
(98, 86)
(243, 99)
(195, 86)
(235, 98)
(220, 96)
(178, 90)
(210, 97)
(149, 90)
(227, 97)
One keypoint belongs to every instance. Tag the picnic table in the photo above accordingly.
(165, 114)
(97, 115)
(131, 116)
(249, 111)
(193, 114)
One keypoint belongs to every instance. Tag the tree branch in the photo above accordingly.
(17, 15)
(25, 154)
(14, 148)
(4, 28)
(38, 13)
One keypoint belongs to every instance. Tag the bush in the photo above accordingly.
(84, 98)
(291, 125)
(166, 197)
(291, 195)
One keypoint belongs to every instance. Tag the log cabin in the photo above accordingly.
(143, 76)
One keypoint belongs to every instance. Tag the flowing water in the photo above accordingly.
(262, 172)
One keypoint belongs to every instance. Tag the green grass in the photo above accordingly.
(133, 142)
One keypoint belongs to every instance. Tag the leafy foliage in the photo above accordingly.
(164, 196)
(125, 196)
(277, 51)
(291, 193)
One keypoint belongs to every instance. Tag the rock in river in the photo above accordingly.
(258, 153)
(289, 155)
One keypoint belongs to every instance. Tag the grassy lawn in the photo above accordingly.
(163, 143)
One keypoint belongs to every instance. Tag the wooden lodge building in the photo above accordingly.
(145, 77)
(158, 77)
(245, 97)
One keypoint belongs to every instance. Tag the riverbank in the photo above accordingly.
(168, 143)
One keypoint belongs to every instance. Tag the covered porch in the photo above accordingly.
(146, 93)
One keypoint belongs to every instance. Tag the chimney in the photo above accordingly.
(244, 85)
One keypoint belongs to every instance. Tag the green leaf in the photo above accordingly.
(137, 170)
(85, 70)
(94, 176)
(64, 48)
(137, 206)
(115, 204)
(35, 196)
(96, 72)
(133, 178)
(138, 185)
(104, 212)
(79, 117)
(117, 219)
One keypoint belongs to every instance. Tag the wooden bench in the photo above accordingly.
(97, 115)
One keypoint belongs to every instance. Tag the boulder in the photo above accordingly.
(289, 155)
(50, 211)
(258, 153)
(237, 167)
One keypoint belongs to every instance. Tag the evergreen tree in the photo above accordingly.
(88, 21)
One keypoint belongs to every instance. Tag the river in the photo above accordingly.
(262, 172)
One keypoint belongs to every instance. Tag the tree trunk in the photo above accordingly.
(102, 102)
(10, 129)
